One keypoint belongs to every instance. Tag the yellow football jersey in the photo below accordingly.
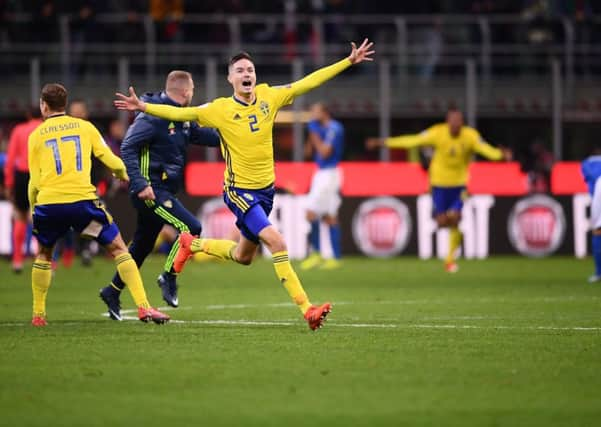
(246, 132)
(246, 129)
(60, 158)
(452, 155)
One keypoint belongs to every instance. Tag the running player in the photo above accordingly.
(454, 147)
(326, 142)
(62, 197)
(245, 123)
(154, 152)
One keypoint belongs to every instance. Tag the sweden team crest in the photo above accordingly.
(264, 106)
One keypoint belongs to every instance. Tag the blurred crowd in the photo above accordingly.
(38, 20)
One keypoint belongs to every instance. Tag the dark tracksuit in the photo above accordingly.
(154, 152)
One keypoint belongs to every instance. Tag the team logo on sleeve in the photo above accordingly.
(536, 226)
(264, 106)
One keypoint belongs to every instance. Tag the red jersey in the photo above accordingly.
(16, 155)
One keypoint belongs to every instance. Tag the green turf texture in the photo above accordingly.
(496, 344)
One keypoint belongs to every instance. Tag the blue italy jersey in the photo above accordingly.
(591, 170)
(331, 134)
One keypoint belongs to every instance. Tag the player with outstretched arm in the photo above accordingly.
(245, 123)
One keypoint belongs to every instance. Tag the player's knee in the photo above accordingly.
(311, 216)
(45, 254)
(597, 231)
(330, 220)
(244, 259)
(441, 220)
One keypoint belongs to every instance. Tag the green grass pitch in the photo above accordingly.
(504, 342)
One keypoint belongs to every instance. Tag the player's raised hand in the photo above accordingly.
(507, 154)
(130, 103)
(361, 53)
(371, 143)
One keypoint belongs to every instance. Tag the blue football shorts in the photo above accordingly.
(88, 217)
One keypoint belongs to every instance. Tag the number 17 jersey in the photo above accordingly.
(60, 159)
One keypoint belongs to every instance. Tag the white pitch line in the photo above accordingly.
(243, 322)
(374, 325)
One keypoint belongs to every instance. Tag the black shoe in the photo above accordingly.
(168, 287)
(110, 296)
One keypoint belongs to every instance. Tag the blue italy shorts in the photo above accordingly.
(87, 217)
(445, 199)
(252, 209)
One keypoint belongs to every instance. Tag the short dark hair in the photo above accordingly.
(454, 109)
(240, 55)
(55, 96)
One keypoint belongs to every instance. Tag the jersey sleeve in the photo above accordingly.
(427, 137)
(485, 150)
(205, 114)
(312, 126)
(34, 170)
(103, 153)
(286, 94)
(139, 134)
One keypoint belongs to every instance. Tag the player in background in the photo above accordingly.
(326, 142)
(62, 197)
(16, 177)
(245, 122)
(154, 152)
(591, 170)
(454, 146)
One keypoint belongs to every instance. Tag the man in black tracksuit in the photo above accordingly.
(154, 152)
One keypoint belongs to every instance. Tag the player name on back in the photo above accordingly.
(59, 127)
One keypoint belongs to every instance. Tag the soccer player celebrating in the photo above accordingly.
(326, 141)
(62, 197)
(245, 122)
(454, 146)
(154, 152)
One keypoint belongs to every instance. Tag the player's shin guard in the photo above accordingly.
(222, 249)
(128, 270)
(19, 234)
(454, 242)
(596, 246)
(41, 276)
(335, 240)
(284, 271)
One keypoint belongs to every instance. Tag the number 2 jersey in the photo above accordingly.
(60, 158)
(246, 130)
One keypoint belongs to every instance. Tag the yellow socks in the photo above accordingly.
(284, 271)
(41, 276)
(128, 270)
(454, 242)
(222, 249)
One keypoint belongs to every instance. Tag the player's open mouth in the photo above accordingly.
(247, 83)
